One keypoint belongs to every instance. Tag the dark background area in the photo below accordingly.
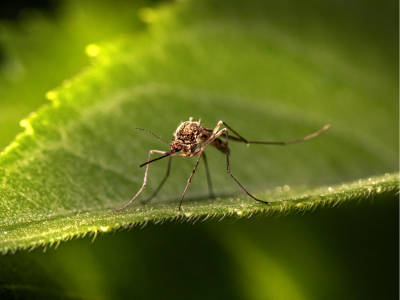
(10, 10)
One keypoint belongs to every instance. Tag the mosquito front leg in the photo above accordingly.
(145, 178)
(161, 184)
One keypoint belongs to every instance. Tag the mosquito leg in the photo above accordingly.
(236, 139)
(229, 172)
(295, 141)
(161, 184)
(189, 181)
(210, 188)
(217, 135)
(144, 181)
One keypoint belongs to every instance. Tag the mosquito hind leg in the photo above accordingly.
(229, 171)
(217, 135)
(295, 141)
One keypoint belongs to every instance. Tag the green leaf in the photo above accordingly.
(78, 158)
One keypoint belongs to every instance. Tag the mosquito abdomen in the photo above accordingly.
(220, 145)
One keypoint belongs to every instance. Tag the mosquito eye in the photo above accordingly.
(176, 147)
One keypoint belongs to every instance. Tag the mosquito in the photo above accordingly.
(191, 139)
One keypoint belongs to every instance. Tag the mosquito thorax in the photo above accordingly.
(188, 132)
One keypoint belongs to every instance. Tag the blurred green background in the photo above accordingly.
(350, 252)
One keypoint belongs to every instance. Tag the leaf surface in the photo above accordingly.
(78, 158)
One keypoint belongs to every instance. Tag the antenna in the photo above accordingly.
(152, 134)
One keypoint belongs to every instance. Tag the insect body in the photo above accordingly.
(190, 135)
(191, 138)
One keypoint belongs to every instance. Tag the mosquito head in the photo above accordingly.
(175, 147)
